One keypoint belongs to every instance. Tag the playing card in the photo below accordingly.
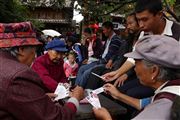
(61, 91)
(98, 75)
(93, 99)
(98, 91)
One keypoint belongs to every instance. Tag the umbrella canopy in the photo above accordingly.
(51, 32)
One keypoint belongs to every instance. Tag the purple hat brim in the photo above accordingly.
(134, 55)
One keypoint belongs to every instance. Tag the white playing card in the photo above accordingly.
(98, 75)
(61, 91)
(93, 99)
(98, 91)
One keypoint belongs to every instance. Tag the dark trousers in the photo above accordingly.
(135, 89)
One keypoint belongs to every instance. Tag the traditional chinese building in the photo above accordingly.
(53, 16)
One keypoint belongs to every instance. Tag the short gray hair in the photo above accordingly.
(164, 73)
(13, 51)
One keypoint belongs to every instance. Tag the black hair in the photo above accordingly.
(134, 15)
(153, 6)
(71, 39)
(88, 30)
(108, 25)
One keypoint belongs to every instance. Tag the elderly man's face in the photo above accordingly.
(148, 22)
(55, 56)
(143, 73)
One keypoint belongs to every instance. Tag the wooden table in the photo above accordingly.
(85, 110)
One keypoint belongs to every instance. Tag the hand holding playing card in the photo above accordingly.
(112, 90)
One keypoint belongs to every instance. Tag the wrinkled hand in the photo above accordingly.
(51, 95)
(102, 114)
(120, 81)
(78, 93)
(108, 77)
(112, 90)
(109, 64)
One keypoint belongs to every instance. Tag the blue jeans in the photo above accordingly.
(84, 73)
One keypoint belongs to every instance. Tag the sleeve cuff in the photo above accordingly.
(131, 60)
(74, 101)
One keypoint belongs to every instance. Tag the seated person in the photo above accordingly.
(93, 44)
(112, 45)
(70, 65)
(22, 92)
(161, 73)
(50, 66)
(94, 82)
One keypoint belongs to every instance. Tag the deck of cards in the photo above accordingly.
(62, 91)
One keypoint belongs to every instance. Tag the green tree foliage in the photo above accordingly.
(95, 10)
(12, 11)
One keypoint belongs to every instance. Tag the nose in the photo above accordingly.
(128, 26)
(141, 24)
(58, 56)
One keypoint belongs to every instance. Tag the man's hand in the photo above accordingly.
(120, 80)
(110, 76)
(112, 90)
(102, 114)
(78, 93)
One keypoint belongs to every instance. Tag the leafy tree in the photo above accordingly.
(96, 10)
(12, 11)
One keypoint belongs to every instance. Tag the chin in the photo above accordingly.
(55, 61)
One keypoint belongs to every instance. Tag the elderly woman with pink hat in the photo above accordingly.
(157, 60)
(22, 92)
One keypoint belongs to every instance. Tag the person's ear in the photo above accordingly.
(160, 14)
(154, 72)
(21, 51)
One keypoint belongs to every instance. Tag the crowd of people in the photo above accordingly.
(140, 71)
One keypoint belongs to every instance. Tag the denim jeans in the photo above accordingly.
(84, 73)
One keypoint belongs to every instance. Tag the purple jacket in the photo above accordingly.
(22, 95)
(50, 73)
